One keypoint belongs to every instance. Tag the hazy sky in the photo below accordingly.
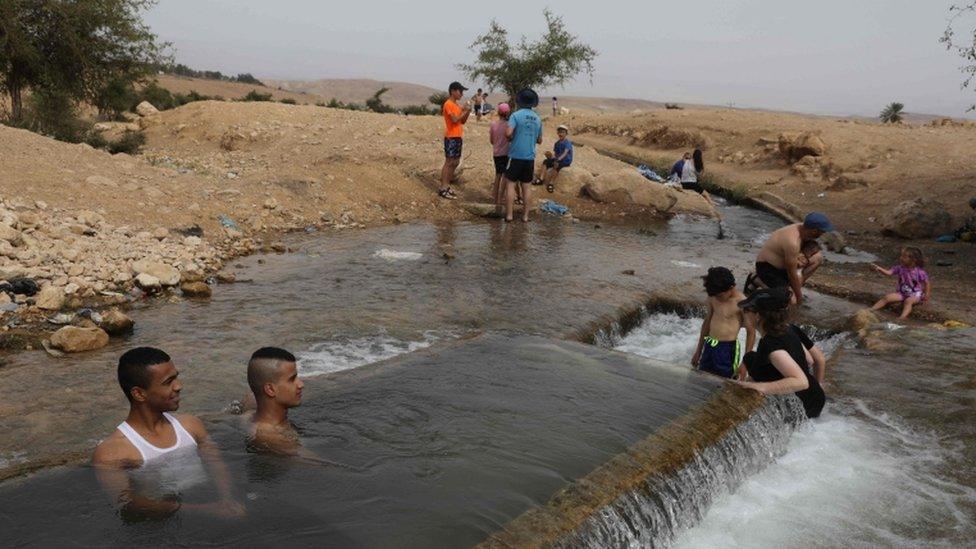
(829, 56)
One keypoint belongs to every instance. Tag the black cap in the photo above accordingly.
(718, 280)
(456, 86)
(767, 299)
(527, 98)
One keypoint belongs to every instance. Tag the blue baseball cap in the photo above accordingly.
(818, 221)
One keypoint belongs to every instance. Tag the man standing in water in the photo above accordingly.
(455, 116)
(524, 132)
(154, 455)
(272, 374)
(777, 264)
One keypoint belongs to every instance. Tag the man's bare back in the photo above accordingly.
(782, 247)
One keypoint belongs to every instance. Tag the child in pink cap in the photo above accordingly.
(499, 149)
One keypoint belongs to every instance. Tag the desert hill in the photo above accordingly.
(358, 90)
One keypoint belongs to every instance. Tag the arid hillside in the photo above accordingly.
(228, 90)
(358, 90)
(859, 172)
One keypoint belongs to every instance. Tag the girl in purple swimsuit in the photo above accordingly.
(913, 282)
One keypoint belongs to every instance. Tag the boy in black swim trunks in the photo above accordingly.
(718, 351)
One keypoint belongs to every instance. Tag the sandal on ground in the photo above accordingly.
(519, 202)
(551, 188)
(537, 181)
(447, 194)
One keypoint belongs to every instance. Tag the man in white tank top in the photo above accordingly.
(154, 455)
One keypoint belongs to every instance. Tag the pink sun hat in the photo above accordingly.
(503, 108)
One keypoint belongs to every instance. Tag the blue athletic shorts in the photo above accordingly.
(720, 357)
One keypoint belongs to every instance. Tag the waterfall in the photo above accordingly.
(654, 512)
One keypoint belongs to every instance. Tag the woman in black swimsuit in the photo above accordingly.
(781, 363)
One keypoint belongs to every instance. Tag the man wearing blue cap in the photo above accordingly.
(777, 264)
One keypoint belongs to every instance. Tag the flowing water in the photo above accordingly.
(890, 463)
(450, 435)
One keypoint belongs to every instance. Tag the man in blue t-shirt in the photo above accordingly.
(560, 157)
(525, 132)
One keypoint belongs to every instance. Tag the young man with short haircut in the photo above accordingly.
(455, 116)
(153, 456)
(272, 374)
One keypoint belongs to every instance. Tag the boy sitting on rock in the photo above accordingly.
(718, 351)
(560, 157)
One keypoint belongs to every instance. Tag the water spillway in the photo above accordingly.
(444, 446)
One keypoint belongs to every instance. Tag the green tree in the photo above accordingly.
(553, 60)
(965, 47)
(73, 48)
(376, 104)
(892, 113)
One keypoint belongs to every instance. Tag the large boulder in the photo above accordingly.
(146, 109)
(115, 322)
(9, 234)
(196, 289)
(626, 186)
(72, 339)
(50, 298)
(794, 146)
(920, 218)
(167, 276)
(572, 180)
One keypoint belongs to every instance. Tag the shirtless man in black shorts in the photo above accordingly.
(777, 261)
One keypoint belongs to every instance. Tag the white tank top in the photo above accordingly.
(148, 451)
(688, 172)
(166, 471)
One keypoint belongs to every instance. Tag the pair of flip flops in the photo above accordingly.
(447, 194)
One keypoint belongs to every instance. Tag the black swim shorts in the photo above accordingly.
(520, 171)
(501, 164)
(692, 186)
(551, 163)
(772, 277)
(452, 147)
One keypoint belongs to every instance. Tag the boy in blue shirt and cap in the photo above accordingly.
(524, 132)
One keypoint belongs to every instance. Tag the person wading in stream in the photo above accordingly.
(455, 116)
(272, 374)
(154, 455)
(777, 265)
(718, 351)
(525, 133)
(781, 364)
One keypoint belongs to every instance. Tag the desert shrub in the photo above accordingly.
(376, 103)
(53, 113)
(160, 97)
(321, 104)
(438, 98)
(116, 97)
(248, 78)
(418, 110)
(673, 106)
(129, 143)
(255, 95)
(289, 101)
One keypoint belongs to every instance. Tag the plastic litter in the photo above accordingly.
(227, 222)
(556, 208)
(647, 172)
(23, 286)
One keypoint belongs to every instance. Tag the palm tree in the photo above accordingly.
(892, 113)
